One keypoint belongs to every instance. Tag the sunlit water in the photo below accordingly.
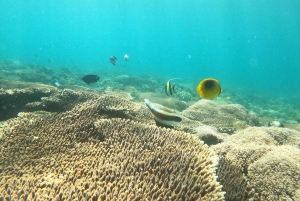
(253, 45)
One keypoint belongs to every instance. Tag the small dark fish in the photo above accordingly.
(90, 78)
(49, 60)
(169, 88)
(113, 60)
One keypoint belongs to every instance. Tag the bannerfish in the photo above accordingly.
(164, 118)
(113, 60)
(275, 124)
(209, 88)
(90, 78)
(126, 57)
(169, 88)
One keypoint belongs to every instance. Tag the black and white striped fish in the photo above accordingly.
(169, 88)
(165, 118)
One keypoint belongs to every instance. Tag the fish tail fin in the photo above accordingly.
(149, 105)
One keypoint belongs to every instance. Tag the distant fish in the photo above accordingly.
(162, 117)
(90, 78)
(49, 60)
(126, 57)
(56, 83)
(275, 124)
(209, 88)
(169, 88)
(113, 60)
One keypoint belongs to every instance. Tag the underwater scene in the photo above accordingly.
(150, 100)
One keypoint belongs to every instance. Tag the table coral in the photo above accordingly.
(93, 151)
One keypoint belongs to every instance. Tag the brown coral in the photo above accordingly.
(88, 153)
(276, 174)
(234, 181)
(219, 115)
(264, 161)
(15, 95)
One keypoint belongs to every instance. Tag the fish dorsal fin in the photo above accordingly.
(173, 79)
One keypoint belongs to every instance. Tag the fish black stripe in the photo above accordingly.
(166, 90)
(166, 117)
(170, 86)
(160, 115)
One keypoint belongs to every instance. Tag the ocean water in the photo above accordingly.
(253, 45)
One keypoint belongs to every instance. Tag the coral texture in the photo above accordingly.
(90, 153)
(219, 115)
(263, 161)
(209, 134)
(15, 95)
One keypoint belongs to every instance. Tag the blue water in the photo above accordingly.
(251, 44)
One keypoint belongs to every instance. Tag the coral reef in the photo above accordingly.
(284, 108)
(219, 115)
(275, 176)
(185, 93)
(293, 126)
(234, 181)
(28, 97)
(143, 83)
(239, 125)
(260, 163)
(93, 151)
(74, 143)
(210, 135)
(209, 120)
(18, 70)
(15, 96)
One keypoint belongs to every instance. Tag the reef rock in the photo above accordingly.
(220, 115)
(210, 135)
(260, 163)
(15, 96)
(97, 150)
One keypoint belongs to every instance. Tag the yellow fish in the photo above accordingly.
(209, 88)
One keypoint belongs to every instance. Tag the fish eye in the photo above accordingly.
(209, 84)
